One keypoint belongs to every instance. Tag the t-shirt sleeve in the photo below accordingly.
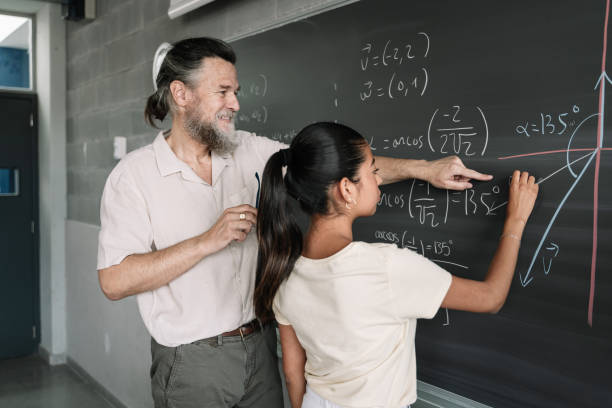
(125, 224)
(277, 314)
(264, 147)
(418, 286)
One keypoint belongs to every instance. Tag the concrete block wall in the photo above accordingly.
(108, 80)
(109, 76)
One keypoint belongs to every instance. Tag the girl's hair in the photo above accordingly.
(320, 155)
(182, 63)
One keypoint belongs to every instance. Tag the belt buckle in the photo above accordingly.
(240, 331)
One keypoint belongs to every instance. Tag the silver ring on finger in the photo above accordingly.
(242, 216)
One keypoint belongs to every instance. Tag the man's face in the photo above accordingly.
(209, 117)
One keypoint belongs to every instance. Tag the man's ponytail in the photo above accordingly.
(181, 61)
(157, 107)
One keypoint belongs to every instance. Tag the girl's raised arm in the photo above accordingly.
(490, 295)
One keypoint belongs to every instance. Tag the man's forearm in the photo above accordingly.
(448, 172)
(139, 273)
(393, 170)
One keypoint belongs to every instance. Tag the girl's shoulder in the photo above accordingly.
(388, 252)
(375, 248)
(357, 255)
(373, 253)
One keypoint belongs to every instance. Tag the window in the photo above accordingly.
(9, 182)
(15, 52)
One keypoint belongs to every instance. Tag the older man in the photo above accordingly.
(177, 217)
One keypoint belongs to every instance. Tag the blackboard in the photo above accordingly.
(503, 85)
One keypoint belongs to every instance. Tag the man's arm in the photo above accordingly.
(139, 273)
(448, 172)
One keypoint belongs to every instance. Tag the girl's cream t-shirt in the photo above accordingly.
(354, 314)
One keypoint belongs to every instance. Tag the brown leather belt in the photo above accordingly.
(244, 330)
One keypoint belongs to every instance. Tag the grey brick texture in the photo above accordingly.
(109, 76)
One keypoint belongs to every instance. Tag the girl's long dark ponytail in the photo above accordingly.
(321, 154)
(279, 235)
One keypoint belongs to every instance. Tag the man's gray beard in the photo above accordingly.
(206, 133)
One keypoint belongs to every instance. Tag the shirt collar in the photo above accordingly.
(168, 163)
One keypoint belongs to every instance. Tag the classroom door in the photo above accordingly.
(19, 297)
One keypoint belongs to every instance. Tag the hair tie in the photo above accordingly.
(158, 59)
(285, 156)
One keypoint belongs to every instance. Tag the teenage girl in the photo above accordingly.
(347, 309)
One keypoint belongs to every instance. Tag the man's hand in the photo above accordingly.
(233, 225)
(139, 273)
(451, 173)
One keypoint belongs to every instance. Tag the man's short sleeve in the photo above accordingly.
(262, 146)
(418, 285)
(126, 226)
